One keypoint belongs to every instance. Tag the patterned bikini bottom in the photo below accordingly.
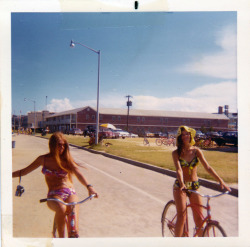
(193, 185)
(63, 193)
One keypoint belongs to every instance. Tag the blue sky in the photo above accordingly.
(181, 61)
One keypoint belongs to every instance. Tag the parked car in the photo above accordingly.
(212, 134)
(75, 131)
(149, 134)
(133, 135)
(108, 133)
(199, 134)
(229, 137)
(121, 133)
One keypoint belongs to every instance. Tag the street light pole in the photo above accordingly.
(129, 103)
(72, 44)
(25, 99)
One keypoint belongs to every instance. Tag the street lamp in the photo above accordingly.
(72, 45)
(26, 99)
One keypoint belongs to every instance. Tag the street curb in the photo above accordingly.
(203, 182)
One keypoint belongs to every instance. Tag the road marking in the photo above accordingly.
(123, 182)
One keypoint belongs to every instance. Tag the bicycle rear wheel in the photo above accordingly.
(213, 229)
(168, 219)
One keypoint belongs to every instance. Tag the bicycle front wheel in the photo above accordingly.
(158, 142)
(168, 219)
(213, 229)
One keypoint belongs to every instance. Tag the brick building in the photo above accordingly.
(138, 121)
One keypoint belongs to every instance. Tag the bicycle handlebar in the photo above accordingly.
(65, 203)
(208, 196)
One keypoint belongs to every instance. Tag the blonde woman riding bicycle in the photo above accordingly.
(58, 167)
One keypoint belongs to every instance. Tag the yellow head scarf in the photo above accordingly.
(188, 129)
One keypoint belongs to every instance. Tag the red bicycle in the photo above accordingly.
(165, 141)
(69, 217)
(210, 228)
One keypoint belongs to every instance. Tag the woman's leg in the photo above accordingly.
(74, 198)
(60, 212)
(180, 198)
(197, 212)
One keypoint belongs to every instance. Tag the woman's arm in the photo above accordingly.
(35, 164)
(84, 181)
(178, 169)
(210, 170)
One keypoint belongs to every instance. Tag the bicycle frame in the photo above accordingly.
(195, 206)
(71, 221)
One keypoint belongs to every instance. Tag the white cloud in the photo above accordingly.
(205, 98)
(220, 64)
(58, 105)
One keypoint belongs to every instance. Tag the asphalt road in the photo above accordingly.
(130, 203)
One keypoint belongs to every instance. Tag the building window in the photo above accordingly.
(93, 117)
(113, 118)
(143, 119)
(119, 118)
(87, 116)
(138, 119)
(101, 117)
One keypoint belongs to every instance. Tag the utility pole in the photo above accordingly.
(129, 103)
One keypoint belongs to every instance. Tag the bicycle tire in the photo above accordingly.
(213, 229)
(158, 142)
(54, 230)
(168, 219)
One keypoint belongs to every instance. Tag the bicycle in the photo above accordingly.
(210, 228)
(161, 140)
(165, 141)
(69, 217)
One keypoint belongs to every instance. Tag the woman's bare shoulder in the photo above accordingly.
(41, 157)
(174, 153)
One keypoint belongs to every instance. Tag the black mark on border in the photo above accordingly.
(136, 4)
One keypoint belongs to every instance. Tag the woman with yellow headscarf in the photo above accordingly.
(186, 158)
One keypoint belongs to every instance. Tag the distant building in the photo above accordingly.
(233, 117)
(139, 121)
(19, 121)
(40, 119)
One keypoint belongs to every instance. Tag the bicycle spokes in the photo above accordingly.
(213, 229)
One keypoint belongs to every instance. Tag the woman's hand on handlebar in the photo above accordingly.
(224, 186)
(92, 191)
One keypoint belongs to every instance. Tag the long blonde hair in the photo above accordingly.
(65, 156)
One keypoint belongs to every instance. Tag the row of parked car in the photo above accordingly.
(105, 133)
(221, 138)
